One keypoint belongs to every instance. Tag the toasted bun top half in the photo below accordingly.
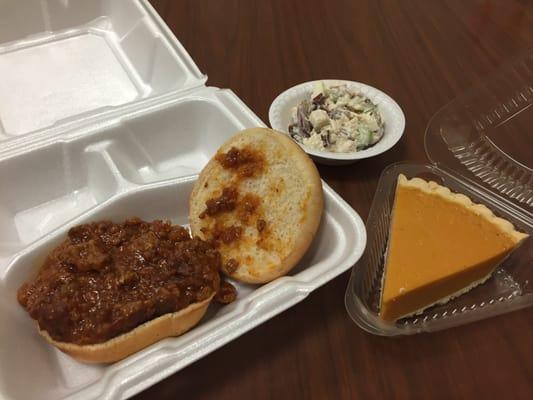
(265, 204)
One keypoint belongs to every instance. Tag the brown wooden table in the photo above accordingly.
(423, 54)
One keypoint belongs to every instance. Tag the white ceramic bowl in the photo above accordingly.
(280, 116)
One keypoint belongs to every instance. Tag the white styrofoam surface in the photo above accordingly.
(120, 157)
(81, 82)
(64, 60)
(63, 178)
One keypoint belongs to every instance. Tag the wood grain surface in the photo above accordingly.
(423, 54)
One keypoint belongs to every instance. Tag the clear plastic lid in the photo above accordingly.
(479, 145)
(485, 137)
(65, 61)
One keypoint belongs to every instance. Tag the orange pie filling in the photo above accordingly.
(441, 245)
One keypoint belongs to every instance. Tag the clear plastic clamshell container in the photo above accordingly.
(103, 115)
(480, 145)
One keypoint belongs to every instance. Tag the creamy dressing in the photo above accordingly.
(336, 119)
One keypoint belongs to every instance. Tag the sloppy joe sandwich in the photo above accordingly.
(259, 200)
(441, 245)
(109, 290)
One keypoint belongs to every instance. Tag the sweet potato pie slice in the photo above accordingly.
(440, 246)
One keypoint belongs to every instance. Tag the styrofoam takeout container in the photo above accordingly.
(104, 115)
(479, 145)
(280, 113)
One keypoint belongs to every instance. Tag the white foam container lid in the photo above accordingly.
(108, 117)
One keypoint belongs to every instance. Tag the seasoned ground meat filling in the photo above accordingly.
(247, 162)
(106, 279)
(227, 201)
(226, 294)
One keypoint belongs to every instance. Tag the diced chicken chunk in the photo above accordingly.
(319, 119)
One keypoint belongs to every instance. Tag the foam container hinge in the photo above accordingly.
(140, 158)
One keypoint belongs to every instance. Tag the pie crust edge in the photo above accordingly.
(434, 188)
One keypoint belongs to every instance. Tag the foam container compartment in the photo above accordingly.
(84, 57)
(108, 117)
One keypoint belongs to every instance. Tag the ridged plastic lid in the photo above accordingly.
(485, 136)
